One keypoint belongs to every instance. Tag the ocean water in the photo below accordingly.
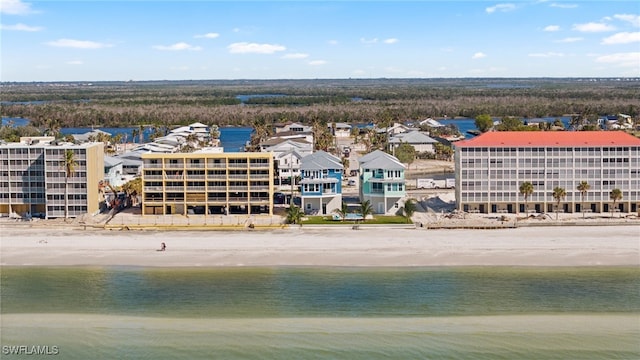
(320, 313)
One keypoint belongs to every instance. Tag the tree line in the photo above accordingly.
(306, 101)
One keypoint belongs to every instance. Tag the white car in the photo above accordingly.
(351, 182)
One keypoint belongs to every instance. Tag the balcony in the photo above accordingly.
(151, 166)
(153, 188)
(174, 188)
(174, 166)
(195, 165)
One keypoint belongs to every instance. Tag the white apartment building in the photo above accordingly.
(33, 179)
(491, 167)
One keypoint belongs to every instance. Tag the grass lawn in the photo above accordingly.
(377, 219)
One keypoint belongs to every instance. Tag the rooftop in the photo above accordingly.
(550, 138)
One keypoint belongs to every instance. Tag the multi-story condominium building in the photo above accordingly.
(33, 179)
(490, 169)
(321, 183)
(207, 183)
(382, 181)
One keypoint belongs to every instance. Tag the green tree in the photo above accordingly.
(583, 187)
(132, 189)
(406, 153)
(615, 195)
(484, 122)
(409, 209)
(509, 123)
(526, 189)
(294, 215)
(342, 211)
(558, 195)
(366, 209)
(69, 167)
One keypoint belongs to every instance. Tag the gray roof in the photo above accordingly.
(380, 160)
(110, 161)
(412, 137)
(321, 160)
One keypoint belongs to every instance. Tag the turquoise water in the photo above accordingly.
(350, 313)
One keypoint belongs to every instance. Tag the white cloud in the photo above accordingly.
(622, 38)
(631, 59)
(177, 47)
(551, 28)
(368, 41)
(479, 55)
(547, 54)
(75, 62)
(569, 40)
(632, 18)
(207, 36)
(564, 6)
(317, 62)
(390, 41)
(15, 7)
(78, 44)
(501, 8)
(593, 27)
(332, 42)
(254, 48)
(20, 27)
(295, 56)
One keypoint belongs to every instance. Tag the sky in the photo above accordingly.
(102, 40)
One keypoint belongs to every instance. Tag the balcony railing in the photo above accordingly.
(153, 188)
(195, 165)
(152, 166)
(174, 166)
(174, 188)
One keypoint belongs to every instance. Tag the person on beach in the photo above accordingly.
(163, 247)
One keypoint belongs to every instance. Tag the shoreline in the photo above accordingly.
(573, 246)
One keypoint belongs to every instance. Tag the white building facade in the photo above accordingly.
(491, 167)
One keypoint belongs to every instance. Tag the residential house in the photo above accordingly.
(382, 182)
(113, 170)
(419, 140)
(294, 127)
(321, 184)
(340, 129)
(287, 154)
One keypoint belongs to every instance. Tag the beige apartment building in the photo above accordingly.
(33, 179)
(207, 183)
(491, 167)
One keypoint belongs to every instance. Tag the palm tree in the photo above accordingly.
(526, 189)
(583, 187)
(69, 167)
(366, 209)
(342, 211)
(134, 135)
(558, 195)
(615, 195)
(409, 209)
(294, 215)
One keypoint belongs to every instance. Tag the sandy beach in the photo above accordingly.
(536, 246)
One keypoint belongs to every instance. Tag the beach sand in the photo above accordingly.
(533, 246)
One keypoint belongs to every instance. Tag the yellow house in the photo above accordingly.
(207, 183)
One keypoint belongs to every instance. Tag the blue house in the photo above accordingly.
(321, 183)
(382, 181)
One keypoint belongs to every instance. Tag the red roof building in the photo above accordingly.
(550, 138)
(491, 167)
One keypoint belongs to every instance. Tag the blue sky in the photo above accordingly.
(180, 40)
